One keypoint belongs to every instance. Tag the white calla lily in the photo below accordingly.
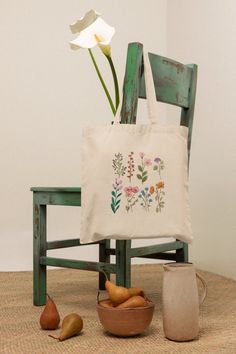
(98, 32)
(92, 30)
(84, 21)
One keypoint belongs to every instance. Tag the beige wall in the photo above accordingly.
(204, 32)
(47, 94)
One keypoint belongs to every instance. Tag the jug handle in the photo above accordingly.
(203, 296)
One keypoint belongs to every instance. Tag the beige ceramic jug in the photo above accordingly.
(180, 301)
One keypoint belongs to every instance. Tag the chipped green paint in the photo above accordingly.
(43, 196)
(76, 264)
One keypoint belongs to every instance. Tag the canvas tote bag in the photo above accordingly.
(135, 179)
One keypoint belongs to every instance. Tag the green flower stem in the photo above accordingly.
(116, 85)
(102, 82)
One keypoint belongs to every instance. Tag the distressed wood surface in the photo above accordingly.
(58, 198)
(162, 255)
(77, 264)
(123, 263)
(39, 250)
(131, 83)
(172, 81)
(104, 256)
(56, 189)
(163, 247)
(73, 242)
(188, 114)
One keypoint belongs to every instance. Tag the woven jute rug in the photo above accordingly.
(76, 291)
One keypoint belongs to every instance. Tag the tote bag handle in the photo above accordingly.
(150, 93)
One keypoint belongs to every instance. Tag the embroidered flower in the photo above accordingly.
(159, 196)
(160, 185)
(158, 165)
(145, 198)
(135, 189)
(130, 193)
(147, 162)
(152, 190)
(118, 166)
(116, 195)
(142, 171)
(130, 167)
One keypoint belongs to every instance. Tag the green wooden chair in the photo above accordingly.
(175, 84)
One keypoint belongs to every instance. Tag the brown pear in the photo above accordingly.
(117, 294)
(49, 318)
(106, 303)
(72, 325)
(134, 301)
(136, 291)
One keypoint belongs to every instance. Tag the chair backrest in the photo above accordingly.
(175, 84)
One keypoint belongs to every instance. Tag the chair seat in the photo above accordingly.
(56, 189)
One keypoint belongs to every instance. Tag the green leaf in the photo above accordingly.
(113, 193)
(144, 173)
(155, 167)
(139, 176)
(119, 195)
(140, 168)
(144, 179)
(113, 208)
(113, 201)
(117, 207)
(118, 202)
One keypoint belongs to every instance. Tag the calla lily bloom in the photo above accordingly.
(97, 32)
(84, 21)
(92, 30)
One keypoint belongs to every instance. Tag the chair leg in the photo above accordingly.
(123, 263)
(39, 245)
(182, 254)
(103, 257)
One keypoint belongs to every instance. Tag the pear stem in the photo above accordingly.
(98, 297)
(50, 335)
(101, 270)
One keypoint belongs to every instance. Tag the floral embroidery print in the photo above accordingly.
(149, 198)
(118, 166)
(159, 197)
(130, 193)
(115, 195)
(143, 175)
(145, 197)
(130, 169)
(158, 165)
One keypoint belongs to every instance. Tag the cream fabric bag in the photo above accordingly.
(135, 179)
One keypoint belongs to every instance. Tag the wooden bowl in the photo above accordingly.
(125, 322)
